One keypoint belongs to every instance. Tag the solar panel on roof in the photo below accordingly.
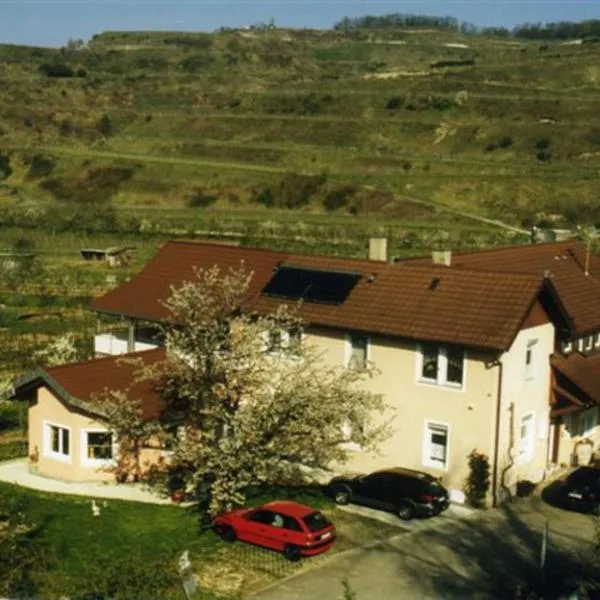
(311, 285)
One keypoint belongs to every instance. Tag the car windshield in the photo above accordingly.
(316, 521)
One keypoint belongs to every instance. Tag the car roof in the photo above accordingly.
(585, 474)
(287, 507)
(408, 473)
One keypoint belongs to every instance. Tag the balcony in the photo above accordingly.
(114, 344)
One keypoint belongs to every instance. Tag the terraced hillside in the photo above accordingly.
(383, 127)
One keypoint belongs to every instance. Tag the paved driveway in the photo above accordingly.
(452, 556)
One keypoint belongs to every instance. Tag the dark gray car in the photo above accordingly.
(405, 492)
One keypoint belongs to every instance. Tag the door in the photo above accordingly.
(257, 528)
(373, 490)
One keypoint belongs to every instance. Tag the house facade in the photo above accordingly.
(574, 305)
(466, 357)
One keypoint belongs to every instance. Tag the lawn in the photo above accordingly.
(131, 550)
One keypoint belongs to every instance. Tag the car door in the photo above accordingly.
(373, 490)
(257, 528)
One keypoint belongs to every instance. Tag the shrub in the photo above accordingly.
(80, 72)
(196, 63)
(542, 143)
(296, 190)
(478, 481)
(505, 142)
(56, 70)
(201, 199)
(40, 166)
(264, 197)
(469, 62)
(544, 155)
(66, 127)
(395, 102)
(5, 168)
(339, 197)
(105, 126)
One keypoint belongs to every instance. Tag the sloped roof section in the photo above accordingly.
(466, 307)
(564, 262)
(581, 370)
(78, 383)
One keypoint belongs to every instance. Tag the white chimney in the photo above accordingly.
(378, 249)
(442, 257)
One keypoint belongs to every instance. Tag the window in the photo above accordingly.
(284, 342)
(567, 346)
(531, 359)
(527, 437)
(587, 422)
(442, 365)
(294, 344)
(275, 340)
(98, 446)
(356, 350)
(435, 447)
(58, 442)
(588, 343)
(596, 340)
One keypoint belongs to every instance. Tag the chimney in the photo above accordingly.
(378, 249)
(442, 257)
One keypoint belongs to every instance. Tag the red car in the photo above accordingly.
(294, 529)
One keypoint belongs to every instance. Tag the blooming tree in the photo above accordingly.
(253, 405)
(61, 350)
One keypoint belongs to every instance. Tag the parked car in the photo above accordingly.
(581, 490)
(294, 529)
(405, 492)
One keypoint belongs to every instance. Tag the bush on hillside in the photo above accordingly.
(40, 166)
(196, 63)
(56, 70)
(201, 199)
(296, 190)
(395, 102)
(105, 126)
(5, 168)
(469, 62)
(339, 196)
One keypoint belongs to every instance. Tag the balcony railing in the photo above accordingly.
(111, 344)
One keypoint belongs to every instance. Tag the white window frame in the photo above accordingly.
(531, 368)
(597, 340)
(567, 347)
(284, 345)
(96, 462)
(426, 459)
(526, 451)
(580, 344)
(588, 343)
(588, 421)
(348, 347)
(48, 451)
(442, 374)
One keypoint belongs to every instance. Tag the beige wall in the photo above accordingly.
(469, 412)
(524, 395)
(48, 409)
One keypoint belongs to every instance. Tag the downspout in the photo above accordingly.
(497, 438)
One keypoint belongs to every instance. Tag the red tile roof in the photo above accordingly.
(564, 262)
(582, 370)
(470, 308)
(83, 380)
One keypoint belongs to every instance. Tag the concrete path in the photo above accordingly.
(482, 556)
(17, 472)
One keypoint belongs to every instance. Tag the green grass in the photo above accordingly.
(79, 553)
(80, 550)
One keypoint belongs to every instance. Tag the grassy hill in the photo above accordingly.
(330, 129)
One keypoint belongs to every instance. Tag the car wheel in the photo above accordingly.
(291, 552)
(406, 511)
(227, 533)
(341, 496)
